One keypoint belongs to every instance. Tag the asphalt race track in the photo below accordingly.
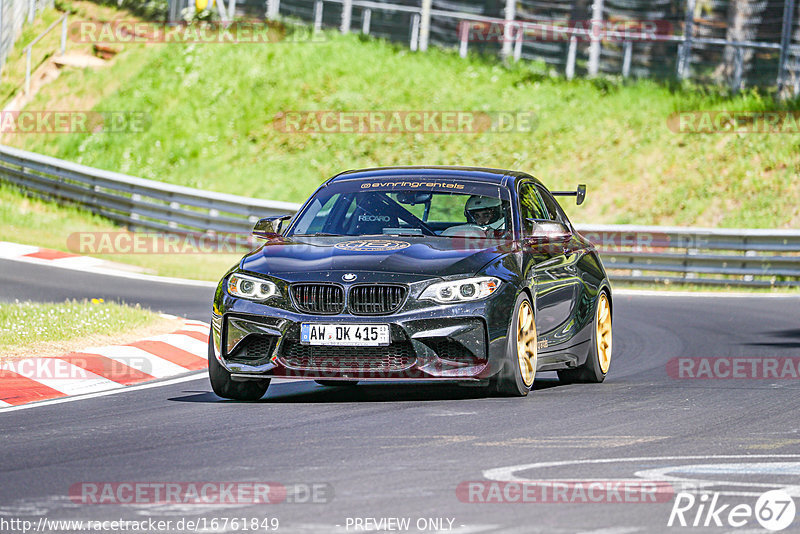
(401, 450)
(27, 281)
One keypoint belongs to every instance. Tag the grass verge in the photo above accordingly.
(52, 330)
(27, 322)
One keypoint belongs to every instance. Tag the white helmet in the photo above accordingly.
(493, 205)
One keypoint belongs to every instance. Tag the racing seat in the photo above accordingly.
(370, 217)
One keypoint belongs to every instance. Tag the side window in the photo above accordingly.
(553, 209)
(530, 206)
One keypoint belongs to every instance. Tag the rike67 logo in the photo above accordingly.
(774, 510)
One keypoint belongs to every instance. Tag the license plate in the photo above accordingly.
(355, 335)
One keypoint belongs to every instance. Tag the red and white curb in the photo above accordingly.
(98, 369)
(15, 251)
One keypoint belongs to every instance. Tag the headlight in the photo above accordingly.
(461, 290)
(250, 287)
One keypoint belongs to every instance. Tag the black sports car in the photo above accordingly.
(433, 273)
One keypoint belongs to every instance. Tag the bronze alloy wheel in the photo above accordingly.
(526, 343)
(598, 359)
(603, 336)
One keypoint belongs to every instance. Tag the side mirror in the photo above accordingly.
(581, 194)
(548, 232)
(269, 227)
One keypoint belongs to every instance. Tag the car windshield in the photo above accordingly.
(409, 207)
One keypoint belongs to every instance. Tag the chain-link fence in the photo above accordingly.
(13, 14)
(740, 43)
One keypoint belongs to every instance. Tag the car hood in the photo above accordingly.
(292, 258)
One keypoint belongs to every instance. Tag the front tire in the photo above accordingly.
(599, 358)
(519, 369)
(227, 388)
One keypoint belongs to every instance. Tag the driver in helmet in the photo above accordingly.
(485, 218)
(486, 212)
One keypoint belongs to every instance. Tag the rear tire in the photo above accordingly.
(519, 369)
(227, 388)
(599, 358)
(337, 383)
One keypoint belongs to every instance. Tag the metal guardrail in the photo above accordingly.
(657, 254)
(136, 202)
(698, 256)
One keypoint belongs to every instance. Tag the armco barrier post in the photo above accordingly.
(366, 18)
(571, 53)
(685, 49)
(594, 46)
(347, 16)
(414, 39)
(425, 25)
(518, 43)
(273, 9)
(626, 59)
(463, 42)
(318, 15)
(508, 27)
(786, 40)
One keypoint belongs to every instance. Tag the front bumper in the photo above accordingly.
(459, 342)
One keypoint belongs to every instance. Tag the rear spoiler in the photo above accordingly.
(579, 194)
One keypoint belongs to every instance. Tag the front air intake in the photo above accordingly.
(322, 299)
(376, 299)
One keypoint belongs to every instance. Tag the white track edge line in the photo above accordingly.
(120, 274)
(196, 375)
(121, 389)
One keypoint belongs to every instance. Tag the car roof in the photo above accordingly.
(482, 174)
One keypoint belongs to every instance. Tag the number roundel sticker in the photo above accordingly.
(372, 245)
